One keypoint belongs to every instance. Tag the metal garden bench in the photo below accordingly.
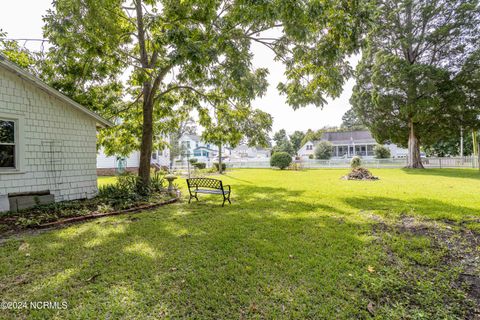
(208, 186)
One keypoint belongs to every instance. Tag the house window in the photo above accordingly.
(7, 144)
(197, 153)
(309, 147)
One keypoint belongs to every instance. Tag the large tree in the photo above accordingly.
(296, 140)
(157, 54)
(406, 89)
(351, 121)
(282, 143)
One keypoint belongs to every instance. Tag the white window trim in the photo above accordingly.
(19, 143)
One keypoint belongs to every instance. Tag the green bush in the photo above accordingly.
(311, 156)
(130, 189)
(324, 150)
(200, 165)
(193, 161)
(356, 162)
(224, 166)
(381, 152)
(280, 160)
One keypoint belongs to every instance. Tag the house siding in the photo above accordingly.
(59, 142)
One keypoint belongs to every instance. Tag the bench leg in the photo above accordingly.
(192, 196)
(226, 199)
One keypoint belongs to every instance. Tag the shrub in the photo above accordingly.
(129, 189)
(193, 161)
(200, 165)
(356, 162)
(311, 156)
(324, 150)
(157, 181)
(224, 166)
(280, 160)
(381, 152)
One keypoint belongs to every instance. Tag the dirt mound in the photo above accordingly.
(360, 174)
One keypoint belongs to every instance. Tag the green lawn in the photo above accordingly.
(106, 180)
(293, 245)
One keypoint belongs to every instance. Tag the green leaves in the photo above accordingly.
(410, 66)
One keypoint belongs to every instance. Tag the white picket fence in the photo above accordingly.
(434, 162)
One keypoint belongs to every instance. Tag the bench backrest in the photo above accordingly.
(205, 183)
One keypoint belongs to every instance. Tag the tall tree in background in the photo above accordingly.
(406, 78)
(282, 143)
(231, 125)
(351, 121)
(296, 140)
(192, 53)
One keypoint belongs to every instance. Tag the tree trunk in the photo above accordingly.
(414, 158)
(147, 142)
(220, 159)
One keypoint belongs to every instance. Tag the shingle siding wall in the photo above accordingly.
(59, 143)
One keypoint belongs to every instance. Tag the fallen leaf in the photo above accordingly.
(92, 278)
(370, 269)
(371, 308)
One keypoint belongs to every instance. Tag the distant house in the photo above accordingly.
(348, 144)
(47, 142)
(110, 165)
(244, 152)
(192, 146)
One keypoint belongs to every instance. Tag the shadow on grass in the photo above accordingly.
(200, 261)
(274, 253)
(449, 173)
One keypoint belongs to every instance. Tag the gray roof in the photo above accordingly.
(12, 67)
(348, 137)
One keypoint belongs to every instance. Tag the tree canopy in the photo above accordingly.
(409, 79)
(296, 140)
(351, 121)
(142, 62)
(282, 143)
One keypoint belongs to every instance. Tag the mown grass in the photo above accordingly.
(106, 180)
(294, 245)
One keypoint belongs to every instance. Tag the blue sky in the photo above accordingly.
(23, 19)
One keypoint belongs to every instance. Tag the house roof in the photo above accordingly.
(348, 137)
(12, 67)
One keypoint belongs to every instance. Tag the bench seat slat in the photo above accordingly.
(212, 191)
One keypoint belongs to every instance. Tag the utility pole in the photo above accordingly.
(461, 142)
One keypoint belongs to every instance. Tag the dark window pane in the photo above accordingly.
(7, 131)
(7, 156)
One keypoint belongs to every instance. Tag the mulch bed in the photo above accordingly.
(96, 215)
(13, 230)
(360, 173)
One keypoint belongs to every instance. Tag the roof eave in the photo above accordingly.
(100, 121)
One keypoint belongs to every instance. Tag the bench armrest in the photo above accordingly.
(227, 186)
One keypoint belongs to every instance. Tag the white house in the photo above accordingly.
(244, 152)
(47, 141)
(193, 146)
(109, 165)
(348, 144)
